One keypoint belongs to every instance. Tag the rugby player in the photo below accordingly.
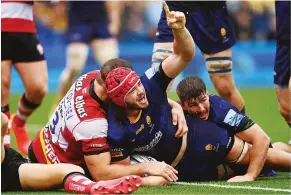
(211, 30)
(17, 175)
(21, 47)
(90, 23)
(196, 101)
(140, 121)
(282, 60)
(77, 133)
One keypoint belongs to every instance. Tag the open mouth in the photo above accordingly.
(142, 99)
(203, 115)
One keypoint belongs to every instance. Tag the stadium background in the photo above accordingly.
(253, 61)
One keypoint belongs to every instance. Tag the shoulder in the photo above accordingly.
(219, 103)
(91, 129)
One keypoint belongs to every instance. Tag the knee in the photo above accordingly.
(224, 86)
(37, 91)
(285, 111)
(69, 168)
(5, 83)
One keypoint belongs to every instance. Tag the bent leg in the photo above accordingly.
(219, 67)
(35, 79)
(275, 158)
(282, 146)
(5, 81)
(5, 91)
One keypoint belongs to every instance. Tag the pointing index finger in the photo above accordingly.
(166, 8)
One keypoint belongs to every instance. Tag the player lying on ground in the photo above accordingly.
(196, 101)
(140, 121)
(17, 174)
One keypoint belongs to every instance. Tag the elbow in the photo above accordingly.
(264, 141)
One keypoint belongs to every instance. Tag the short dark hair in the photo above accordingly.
(190, 88)
(112, 64)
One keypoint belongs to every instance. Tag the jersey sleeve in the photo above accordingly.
(92, 134)
(117, 137)
(119, 150)
(155, 82)
(228, 116)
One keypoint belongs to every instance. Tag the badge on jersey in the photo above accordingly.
(151, 72)
(233, 118)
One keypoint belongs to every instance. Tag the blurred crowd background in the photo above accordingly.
(253, 55)
(252, 20)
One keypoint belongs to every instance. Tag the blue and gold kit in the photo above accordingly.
(282, 60)
(87, 20)
(226, 115)
(152, 133)
(207, 22)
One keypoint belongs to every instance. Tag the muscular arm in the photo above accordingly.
(183, 48)
(101, 169)
(260, 143)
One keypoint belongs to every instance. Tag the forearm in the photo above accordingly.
(183, 44)
(114, 171)
(174, 104)
(258, 154)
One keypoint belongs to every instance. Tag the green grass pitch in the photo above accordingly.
(261, 105)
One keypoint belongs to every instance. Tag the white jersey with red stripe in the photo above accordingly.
(17, 16)
(77, 128)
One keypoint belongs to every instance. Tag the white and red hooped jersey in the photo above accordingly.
(17, 16)
(77, 128)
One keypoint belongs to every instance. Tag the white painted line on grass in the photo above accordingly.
(233, 186)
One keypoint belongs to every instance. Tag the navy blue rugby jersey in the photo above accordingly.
(86, 11)
(153, 132)
(226, 115)
(283, 22)
(191, 6)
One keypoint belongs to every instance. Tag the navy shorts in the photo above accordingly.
(9, 170)
(86, 32)
(207, 147)
(282, 66)
(21, 47)
(210, 29)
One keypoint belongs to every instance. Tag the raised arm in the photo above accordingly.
(183, 49)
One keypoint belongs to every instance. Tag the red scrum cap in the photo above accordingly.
(119, 82)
